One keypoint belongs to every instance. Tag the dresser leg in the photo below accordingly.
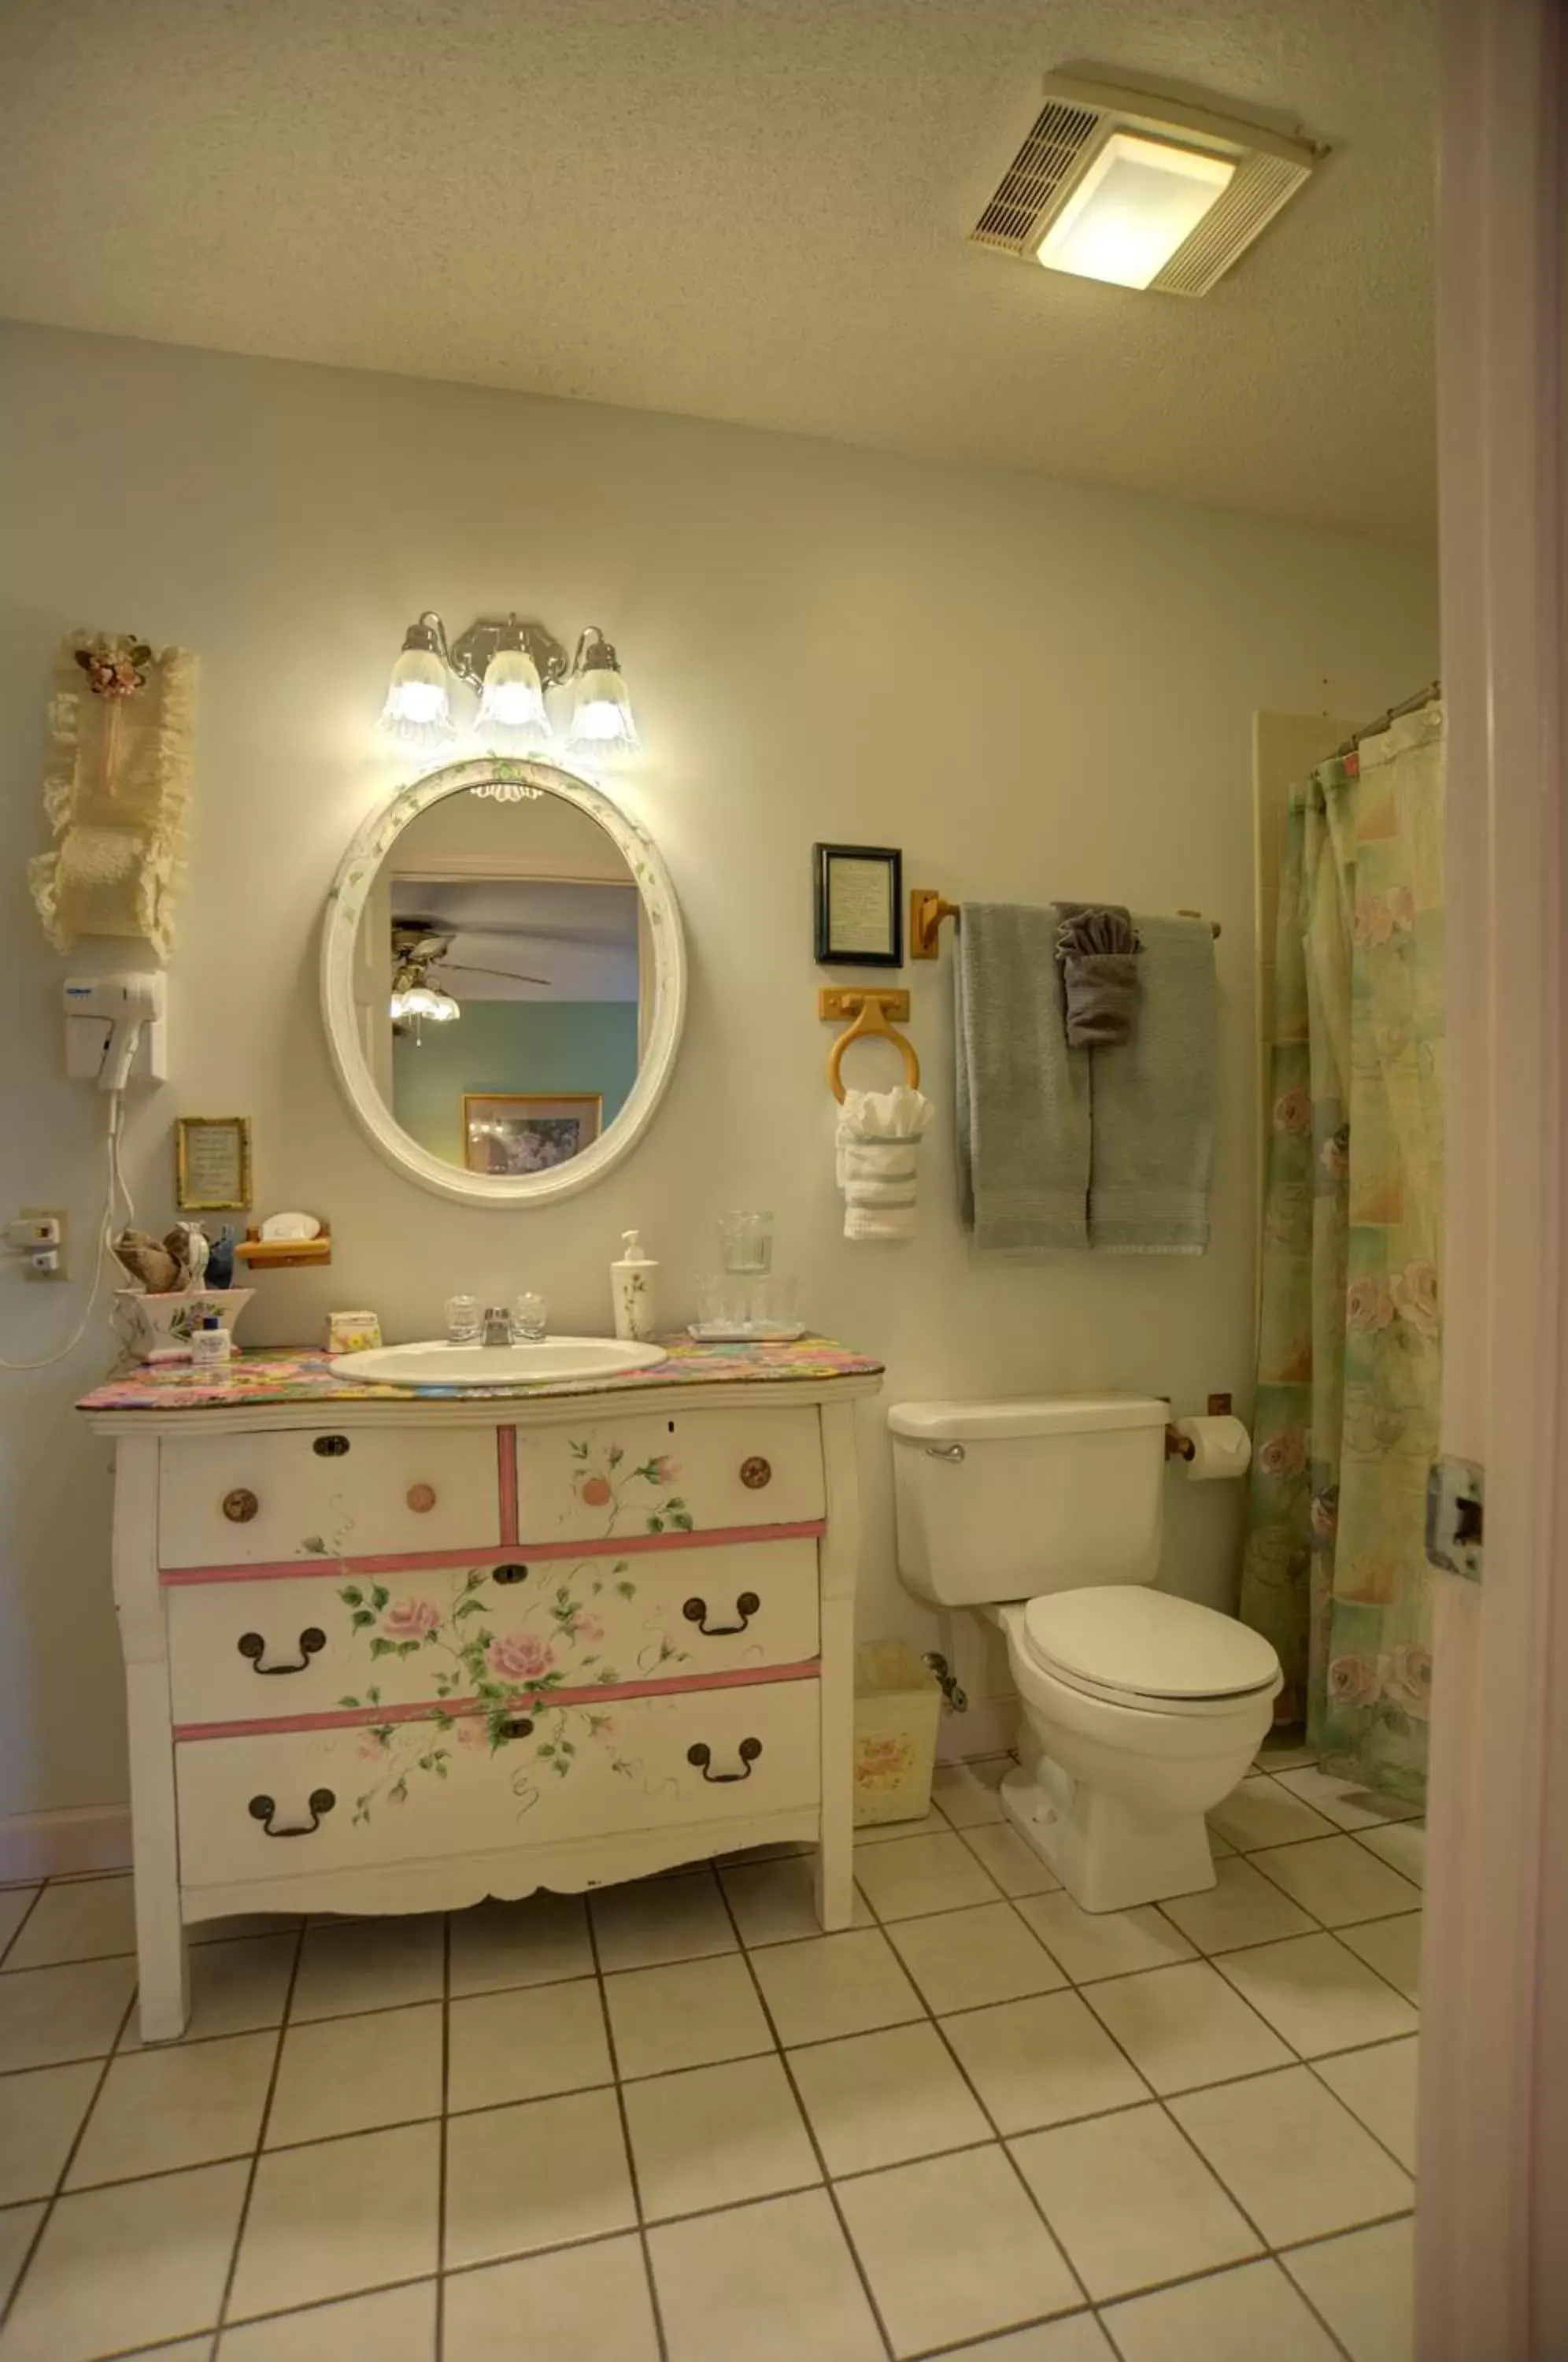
(163, 1978)
(835, 1689)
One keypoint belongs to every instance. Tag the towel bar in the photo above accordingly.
(927, 912)
(873, 1013)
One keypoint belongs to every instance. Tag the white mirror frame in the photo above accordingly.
(345, 909)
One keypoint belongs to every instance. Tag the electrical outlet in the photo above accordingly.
(57, 1245)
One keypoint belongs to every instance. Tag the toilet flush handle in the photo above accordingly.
(944, 1451)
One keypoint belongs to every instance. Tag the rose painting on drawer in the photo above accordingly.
(604, 1481)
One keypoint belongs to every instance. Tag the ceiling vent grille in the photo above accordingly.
(1072, 127)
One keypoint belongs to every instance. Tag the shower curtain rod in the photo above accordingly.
(1371, 729)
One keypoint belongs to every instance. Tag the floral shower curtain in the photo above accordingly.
(1349, 1351)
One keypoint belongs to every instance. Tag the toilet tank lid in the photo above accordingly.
(951, 1422)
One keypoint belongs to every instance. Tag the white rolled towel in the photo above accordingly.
(878, 1161)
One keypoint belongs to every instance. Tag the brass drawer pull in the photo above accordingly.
(750, 1750)
(240, 1506)
(509, 1574)
(696, 1612)
(756, 1473)
(421, 1497)
(313, 1639)
(330, 1447)
(317, 1804)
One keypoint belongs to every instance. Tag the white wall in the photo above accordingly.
(1034, 688)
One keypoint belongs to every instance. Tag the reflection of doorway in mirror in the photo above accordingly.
(518, 1132)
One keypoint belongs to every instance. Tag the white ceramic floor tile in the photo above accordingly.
(1262, 1813)
(1284, 1754)
(47, 2015)
(1042, 2061)
(1092, 1944)
(953, 2249)
(1348, 1805)
(16, 1902)
(356, 1964)
(535, 1942)
(350, 2074)
(588, 2303)
(1318, 1994)
(1241, 1907)
(691, 2014)
(236, 1923)
(182, 2104)
(337, 2218)
(850, 1983)
(535, 2176)
(965, 1794)
(879, 2099)
(651, 1921)
(716, 2134)
(1392, 1946)
(1079, 2338)
(526, 2044)
(967, 1960)
(1294, 2157)
(776, 1902)
(121, 2268)
(18, 2226)
(1402, 1845)
(1365, 2287)
(1378, 2085)
(235, 1989)
(1184, 2026)
(1130, 2202)
(873, 1833)
(936, 1873)
(773, 2282)
(86, 1919)
(394, 2325)
(40, 2115)
(1016, 1867)
(1251, 2315)
(1338, 1881)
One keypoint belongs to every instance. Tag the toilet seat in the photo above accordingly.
(1140, 1648)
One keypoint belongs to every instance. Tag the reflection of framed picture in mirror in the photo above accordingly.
(527, 1132)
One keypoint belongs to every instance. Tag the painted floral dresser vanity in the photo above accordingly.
(391, 1649)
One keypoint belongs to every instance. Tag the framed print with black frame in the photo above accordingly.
(859, 902)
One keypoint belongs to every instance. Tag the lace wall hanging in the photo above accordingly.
(119, 778)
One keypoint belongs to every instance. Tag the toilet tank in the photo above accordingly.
(1005, 1500)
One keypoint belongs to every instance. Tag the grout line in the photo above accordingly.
(239, 2230)
(14, 1936)
(443, 2135)
(642, 2228)
(47, 2217)
(780, 2053)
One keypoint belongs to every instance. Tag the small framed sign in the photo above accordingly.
(859, 906)
(212, 1164)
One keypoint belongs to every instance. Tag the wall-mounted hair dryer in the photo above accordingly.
(117, 1029)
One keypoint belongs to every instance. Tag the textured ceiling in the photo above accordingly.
(751, 210)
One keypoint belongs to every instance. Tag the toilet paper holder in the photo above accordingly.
(1181, 1447)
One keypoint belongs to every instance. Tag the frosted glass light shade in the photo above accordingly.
(425, 1000)
(601, 722)
(511, 716)
(1138, 200)
(419, 711)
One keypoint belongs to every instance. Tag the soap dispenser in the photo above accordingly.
(632, 1289)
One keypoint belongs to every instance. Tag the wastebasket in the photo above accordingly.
(897, 1706)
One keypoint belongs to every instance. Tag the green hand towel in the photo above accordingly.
(1022, 1096)
(1152, 1114)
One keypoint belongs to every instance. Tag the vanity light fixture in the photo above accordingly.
(511, 664)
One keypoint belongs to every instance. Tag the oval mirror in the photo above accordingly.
(503, 981)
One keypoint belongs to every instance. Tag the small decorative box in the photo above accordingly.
(352, 1332)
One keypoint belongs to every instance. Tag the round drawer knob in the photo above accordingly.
(240, 1506)
(756, 1473)
(421, 1498)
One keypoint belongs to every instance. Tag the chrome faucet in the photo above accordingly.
(497, 1325)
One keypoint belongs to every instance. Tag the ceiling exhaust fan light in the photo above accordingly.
(1138, 200)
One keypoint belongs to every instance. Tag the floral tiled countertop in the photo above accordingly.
(306, 1374)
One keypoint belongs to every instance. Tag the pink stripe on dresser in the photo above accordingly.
(506, 1469)
(739, 1677)
(414, 1562)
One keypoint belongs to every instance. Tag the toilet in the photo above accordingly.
(1141, 1710)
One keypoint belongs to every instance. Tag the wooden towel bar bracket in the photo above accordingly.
(927, 912)
(874, 1013)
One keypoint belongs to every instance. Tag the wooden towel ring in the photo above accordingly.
(872, 1012)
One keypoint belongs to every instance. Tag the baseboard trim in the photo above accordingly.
(64, 1844)
(988, 1727)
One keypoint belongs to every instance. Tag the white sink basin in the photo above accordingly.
(437, 1365)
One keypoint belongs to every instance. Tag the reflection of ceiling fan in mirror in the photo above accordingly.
(421, 958)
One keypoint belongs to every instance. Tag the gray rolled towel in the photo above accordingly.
(1098, 947)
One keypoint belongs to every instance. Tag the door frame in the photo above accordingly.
(1492, 2276)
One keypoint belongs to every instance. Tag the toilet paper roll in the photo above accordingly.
(1221, 1447)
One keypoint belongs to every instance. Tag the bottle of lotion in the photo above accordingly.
(632, 1289)
(211, 1345)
